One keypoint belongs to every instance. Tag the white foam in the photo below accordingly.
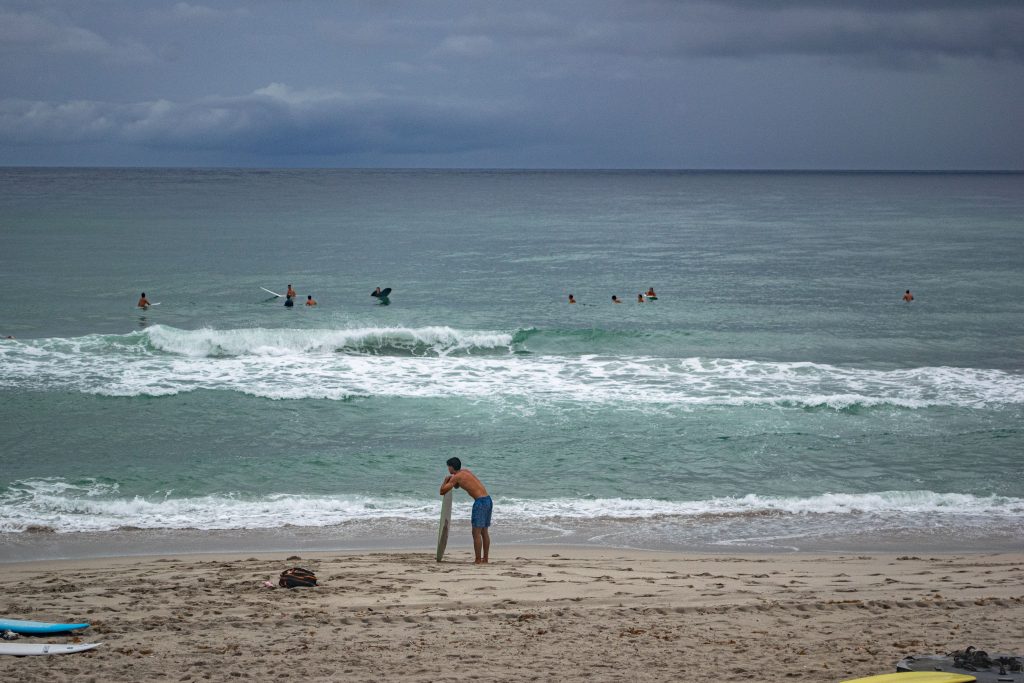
(440, 362)
(95, 506)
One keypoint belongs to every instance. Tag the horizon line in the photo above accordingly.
(526, 169)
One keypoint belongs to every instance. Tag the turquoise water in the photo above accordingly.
(777, 389)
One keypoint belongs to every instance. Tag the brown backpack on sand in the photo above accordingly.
(297, 577)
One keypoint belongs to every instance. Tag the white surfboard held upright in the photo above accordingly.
(445, 525)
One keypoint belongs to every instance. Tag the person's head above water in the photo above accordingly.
(454, 463)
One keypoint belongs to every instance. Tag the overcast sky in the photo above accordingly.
(786, 84)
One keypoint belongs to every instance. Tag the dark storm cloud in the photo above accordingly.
(875, 33)
(882, 33)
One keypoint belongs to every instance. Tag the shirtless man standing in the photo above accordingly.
(482, 506)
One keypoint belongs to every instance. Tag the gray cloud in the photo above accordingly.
(53, 33)
(273, 119)
(188, 11)
(680, 83)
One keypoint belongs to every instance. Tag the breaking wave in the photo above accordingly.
(442, 362)
(94, 505)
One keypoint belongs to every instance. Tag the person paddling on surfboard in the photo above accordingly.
(143, 301)
(482, 506)
(650, 293)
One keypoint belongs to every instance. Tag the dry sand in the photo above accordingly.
(534, 613)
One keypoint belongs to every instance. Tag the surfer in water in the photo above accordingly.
(639, 298)
(310, 301)
(572, 299)
(290, 293)
(143, 301)
(907, 296)
(482, 506)
(650, 293)
(616, 300)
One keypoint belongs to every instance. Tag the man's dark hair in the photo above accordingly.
(455, 464)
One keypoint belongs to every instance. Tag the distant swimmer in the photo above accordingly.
(616, 300)
(572, 299)
(650, 293)
(291, 292)
(288, 301)
(639, 298)
(143, 301)
(310, 301)
(907, 296)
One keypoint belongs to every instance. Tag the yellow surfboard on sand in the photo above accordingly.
(915, 677)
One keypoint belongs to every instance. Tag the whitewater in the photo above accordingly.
(483, 365)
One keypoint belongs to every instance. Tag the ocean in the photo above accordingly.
(778, 395)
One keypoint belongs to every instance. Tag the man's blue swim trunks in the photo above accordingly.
(482, 512)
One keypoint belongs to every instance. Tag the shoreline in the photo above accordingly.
(565, 613)
(686, 536)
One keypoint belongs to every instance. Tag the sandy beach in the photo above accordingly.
(534, 613)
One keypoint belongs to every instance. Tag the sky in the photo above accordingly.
(681, 84)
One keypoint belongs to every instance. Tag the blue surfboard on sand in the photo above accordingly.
(37, 627)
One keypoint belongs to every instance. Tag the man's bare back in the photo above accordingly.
(466, 480)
